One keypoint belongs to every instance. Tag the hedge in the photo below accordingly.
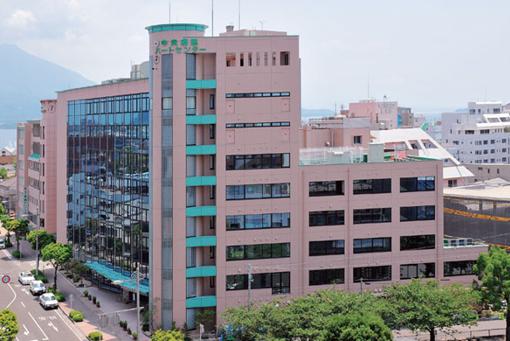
(41, 277)
(95, 336)
(16, 254)
(76, 315)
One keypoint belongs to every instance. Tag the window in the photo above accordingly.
(372, 215)
(258, 251)
(212, 222)
(211, 162)
(423, 242)
(369, 245)
(211, 101)
(426, 270)
(413, 213)
(211, 131)
(258, 191)
(357, 139)
(453, 183)
(469, 132)
(279, 282)
(274, 58)
(257, 125)
(326, 188)
(258, 94)
(372, 186)
(372, 274)
(257, 221)
(326, 218)
(419, 184)
(212, 190)
(462, 268)
(493, 141)
(326, 277)
(230, 59)
(326, 247)
(284, 58)
(258, 161)
(212, 251)
(483, 131)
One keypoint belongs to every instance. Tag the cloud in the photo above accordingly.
(20, 19)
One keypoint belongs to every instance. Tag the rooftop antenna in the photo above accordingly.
(262, 24)
(368, 87)
(212, 18)
(239, 14)
(169, 12)
(335, 109)
(485, 94)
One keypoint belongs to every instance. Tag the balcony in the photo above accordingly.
(201, 241)
(201, 211)
(201, 181)
(201, 119)
(209, 149)
(201, 302)
(201, 271)
(201, 84)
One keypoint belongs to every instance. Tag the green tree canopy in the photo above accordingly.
(356, 327)
(2, 209)
(19, 227)
(45, 238)
(8, 325)
(57, 254)
(3, 173)
(426, 306)
(169, 335)
(493, 272)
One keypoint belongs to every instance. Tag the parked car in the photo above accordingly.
(48, 301)
(37, 288)
(26, 277)
(2, 244)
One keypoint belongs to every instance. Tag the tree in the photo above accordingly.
(426, 306)
(356, 327)
(19, 227)
(3, 173)
(169, 335)
(493, 270)
(2, 209)
(45, 238)
(206, 318)
(57, 254)
(8, 325)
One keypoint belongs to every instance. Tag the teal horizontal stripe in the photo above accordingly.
(201, 241)
(209, 149)
(201, 84)
(201, 302)
(201, 119)
(176, 27)
(201, 181)
(201, 211)
(201, 271)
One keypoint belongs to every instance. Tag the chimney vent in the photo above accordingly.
(230, 28)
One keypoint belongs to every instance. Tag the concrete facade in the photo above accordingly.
(481, 135)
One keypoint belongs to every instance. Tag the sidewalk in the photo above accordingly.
(483, 329)
(90, 312)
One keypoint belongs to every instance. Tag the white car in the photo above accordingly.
(48, 301)
(2, 244)
(37, 288)
(26, 277)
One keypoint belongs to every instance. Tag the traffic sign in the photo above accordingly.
(115, 319)
(103, 321)
(6, 279)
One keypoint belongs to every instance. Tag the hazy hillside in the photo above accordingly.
(26, 79)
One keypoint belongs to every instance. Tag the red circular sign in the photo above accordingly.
(6, 279)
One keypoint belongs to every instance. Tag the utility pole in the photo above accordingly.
(37, 242)
(239, 14)
(249, 285)
(212, 18)
(361, 282)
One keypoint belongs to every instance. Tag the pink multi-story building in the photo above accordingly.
(195, 176)
(383, 114)
(36, 167)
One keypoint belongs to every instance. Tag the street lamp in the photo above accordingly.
(137, 279)
(36, 240)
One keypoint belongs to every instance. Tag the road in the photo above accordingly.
(34, 322)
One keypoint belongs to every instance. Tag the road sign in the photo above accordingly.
(6, 279)
(103, 321)
(71, 299)
(115, 319)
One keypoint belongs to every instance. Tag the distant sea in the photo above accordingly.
(7, 138)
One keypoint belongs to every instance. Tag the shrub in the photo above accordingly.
(85, 293)
(40, 277)
(76, 315)
(60, 297)
(69, 275)
(76, 279)
(129, 331)
(135, 336)
(16, 254)
(95, 336)
(98, 304)
(8, 243)
(94, 299)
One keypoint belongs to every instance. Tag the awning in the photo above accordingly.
(113, 275)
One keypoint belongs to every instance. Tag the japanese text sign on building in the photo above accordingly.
(178, 46)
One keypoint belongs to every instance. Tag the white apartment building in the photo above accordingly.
(480, 135)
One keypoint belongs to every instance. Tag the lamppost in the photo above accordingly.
(36, 239)
(137, 279)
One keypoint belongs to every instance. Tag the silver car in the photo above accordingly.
(37, 288)
(48, 301)
(2, 244)
(26, 277)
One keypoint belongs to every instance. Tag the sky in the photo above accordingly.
(431, 55)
